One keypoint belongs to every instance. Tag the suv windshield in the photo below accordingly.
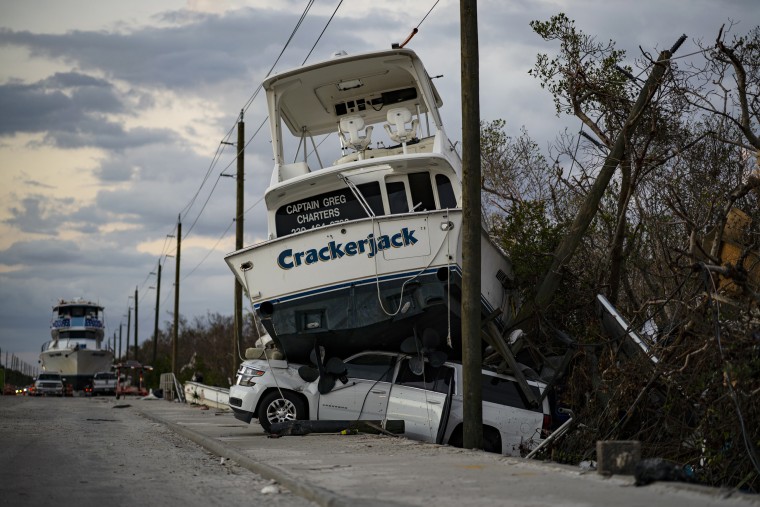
(50, 376)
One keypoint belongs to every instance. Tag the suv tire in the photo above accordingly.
(276, 408)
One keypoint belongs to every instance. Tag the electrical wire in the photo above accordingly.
(428, 14)
(248, 103)
(323, 32)
(202, 207)
(212, 250)
(217, 155)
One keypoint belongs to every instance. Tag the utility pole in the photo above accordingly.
(129, 327)
(136, 324)
(158, 298)
(471, 341)
(121, 326)
(175, 335)
(238, 333)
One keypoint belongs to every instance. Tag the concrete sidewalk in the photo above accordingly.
(351, 470)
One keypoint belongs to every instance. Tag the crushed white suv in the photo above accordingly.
(387, 385)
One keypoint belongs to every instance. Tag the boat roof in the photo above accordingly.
(313, 98)
(76, 302)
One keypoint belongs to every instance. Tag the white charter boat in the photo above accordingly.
(365, 252)
(75, 350)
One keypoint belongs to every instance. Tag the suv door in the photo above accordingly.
(505, 408)
(421, 400)
(365, 396)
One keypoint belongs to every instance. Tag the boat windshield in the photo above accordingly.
(327, 208)
(392, 194)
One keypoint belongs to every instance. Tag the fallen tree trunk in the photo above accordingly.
(567, 247)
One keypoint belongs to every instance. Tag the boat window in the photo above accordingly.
(77, 311)
(507, 392)
(445, 192)
(397, 197)
(433, 379)
(422, 192)
(371, 367)
(371, 192)
(327, 208)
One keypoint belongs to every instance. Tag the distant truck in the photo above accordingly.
(48, 384)
(104, 382)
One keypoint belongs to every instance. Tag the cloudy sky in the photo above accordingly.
(112, 116)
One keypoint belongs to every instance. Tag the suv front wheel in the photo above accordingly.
(276, 408)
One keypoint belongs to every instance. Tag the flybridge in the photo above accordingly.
(371, 245)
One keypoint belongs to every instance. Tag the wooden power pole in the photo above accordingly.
(136, 324)
(471, 341)
(129, 328)
(237, 334)
(175, 335)
(158, 299)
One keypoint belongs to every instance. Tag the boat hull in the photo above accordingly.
(406, 279)
(76, 364)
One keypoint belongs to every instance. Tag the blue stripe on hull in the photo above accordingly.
(364, 281)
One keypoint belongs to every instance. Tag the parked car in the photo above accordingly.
(385, 385)
(48, 384)
(104, 382)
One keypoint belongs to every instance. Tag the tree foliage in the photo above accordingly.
(203, 348)
(674, 245)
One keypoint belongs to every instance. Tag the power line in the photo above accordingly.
(428, 13)
(323, 32)
(245, 108)
(217, 155)
(212, 250)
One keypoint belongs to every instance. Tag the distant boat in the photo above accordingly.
(367, 251)
(75, 350)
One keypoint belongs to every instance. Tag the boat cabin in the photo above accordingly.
(77, 319)
(391, 156)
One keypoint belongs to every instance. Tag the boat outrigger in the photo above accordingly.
(366, 252)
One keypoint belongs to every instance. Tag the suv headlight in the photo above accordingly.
(247, 375)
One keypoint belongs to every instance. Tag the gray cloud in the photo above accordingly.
(70, 108)
(38, 214)
(205, 49)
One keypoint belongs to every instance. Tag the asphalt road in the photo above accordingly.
(85, 452)
(90, 452)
